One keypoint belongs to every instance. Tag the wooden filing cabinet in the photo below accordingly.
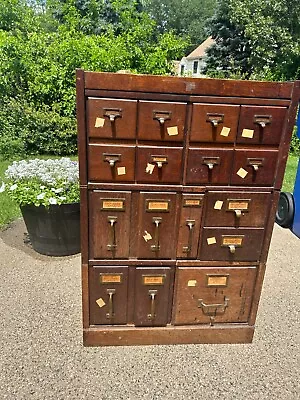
(180, 179)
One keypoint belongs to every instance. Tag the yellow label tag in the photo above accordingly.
(192, 203)
(150, 168)
(147, 236)
(218, 205)
(238, 205)
(121, 171)
(100, 302)
(99, 122)
(158, 205)
(217, 280)
(172, 130)
(211, 240)
(242, 173)
(159, 159)
(248, 133)
(110, 279)
(113, 204)
(225, 131)
(192, 283)
(153, 280)
(237, 241)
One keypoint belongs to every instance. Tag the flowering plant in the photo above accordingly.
(42, 182)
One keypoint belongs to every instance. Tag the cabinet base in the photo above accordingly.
(131, 336)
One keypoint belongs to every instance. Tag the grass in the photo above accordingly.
(10, 211)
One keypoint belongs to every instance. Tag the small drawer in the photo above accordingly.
(159, 164)
(152, 296)
(189, 228)
(231, 244)
(111, 163)
(214, 123)
(209, 165)
(254, 167)
(161, 121)
(261, 125)
(237, 209)
(111, 118)
(213, 295)
(157, 225)
(109, 227)
(108, 292)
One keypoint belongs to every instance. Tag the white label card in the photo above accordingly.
(172, 130)
(248, 133)
(147, 236)
(192, 283)
(150, 168)
(225, 131)
(99, 122)
(101, 303)
(121, 171)
(218, 205)
(242, 173)
(211, 240)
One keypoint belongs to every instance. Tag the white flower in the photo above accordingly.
(40, 196)
(43, 187)
(62, 198)
(13, 187)
(2, 187)
(59, 190)
(52, 200)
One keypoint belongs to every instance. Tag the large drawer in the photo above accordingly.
(237, 209)
(108, 294)
(159, 164)
(214, 123)
(231, 244)
(111, 118)
(161, 120)
(111, 163)
(213, 295)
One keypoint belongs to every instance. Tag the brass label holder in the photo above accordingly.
(112, 204)
(107, 278)
(157, 205)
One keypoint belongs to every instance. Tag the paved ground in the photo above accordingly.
(42, 356)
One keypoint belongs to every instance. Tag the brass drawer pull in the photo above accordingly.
(210, 162)
(156, 246)
(112, 221)
(110, 313)
(152, 294)
(162, 116)
(213, 309)
(111, 158)
(159, 160)
(113, 113)
(255, 163)
(262, 120)
(215, 119)
(190, 223)
(232, 248)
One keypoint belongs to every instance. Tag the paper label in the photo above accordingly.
(121, 171)
(192, 283)
(225, 131)
(242, 173)
(153, 280)
(192, 203)
(217, 280)
(248, 133)
(110, 279)
(99, 122)
(211, 240)
(238, 205)
(158, 206)
(100, 302)
(235, 241)
(218, 205)
(150, 168)
(113, 204)
(172, 130)
(147, 236)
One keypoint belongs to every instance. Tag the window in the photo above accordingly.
(195, 67)
(181, 69)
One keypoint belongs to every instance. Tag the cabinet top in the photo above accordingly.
(183, 85)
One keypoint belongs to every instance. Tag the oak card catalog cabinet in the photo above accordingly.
(180, 179)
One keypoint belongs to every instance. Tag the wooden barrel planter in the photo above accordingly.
(53, 231)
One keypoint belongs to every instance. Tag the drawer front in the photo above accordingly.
(213, 295)
(157, 224)
(152, 296)
(159, 164)
(161, 121)
(261, 125)
(237, 209)
(254, 167)
(111, 118)
(108, 290)
(111, 163)
(189, 228)
(221, 244)
(214, 123)
(109, 224)
(209, 166)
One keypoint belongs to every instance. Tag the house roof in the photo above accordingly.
(200, 50)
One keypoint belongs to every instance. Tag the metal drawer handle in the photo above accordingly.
(238, 213)
(215, 119)
(111, 158)
(213, 309)
(232, 248)
(210, 162)
(113, 113)
(255, 163)
(156, 246)
(262, 120)
(152, 294)
(112, 245)
(190, 223)
(110, 313)
(162, 116)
